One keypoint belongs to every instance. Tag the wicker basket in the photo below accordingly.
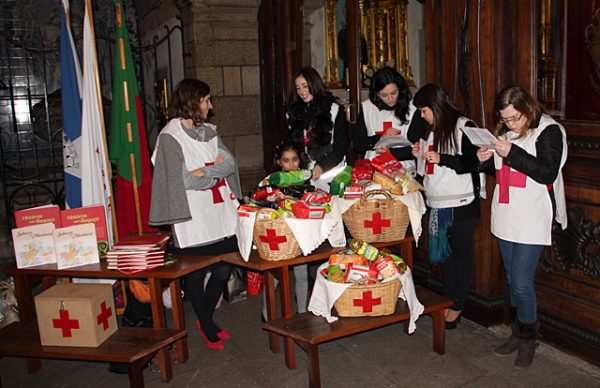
(377, 220)
(369, 300)
(274, 239)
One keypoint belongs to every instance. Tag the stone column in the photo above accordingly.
(221, 40)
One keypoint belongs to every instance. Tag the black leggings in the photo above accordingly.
(457, 270)
(204, 299)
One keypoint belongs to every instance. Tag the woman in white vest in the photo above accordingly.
(527, 160)
(453, 188)
(388, 111)
(317, 126)
(195, 189)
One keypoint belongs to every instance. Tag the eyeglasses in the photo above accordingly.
(386, 95)
(514, 119)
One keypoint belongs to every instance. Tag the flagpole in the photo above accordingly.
(99, 99)
(127, 106)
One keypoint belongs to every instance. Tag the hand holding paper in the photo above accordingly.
(392, 142)
(480, 137)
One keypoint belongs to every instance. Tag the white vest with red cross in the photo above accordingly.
(214, 210)
(378, 121)
(444, 188)
(521, 207)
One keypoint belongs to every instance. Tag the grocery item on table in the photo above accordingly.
(388, 183)
(303, 209)
(387, 164)
(365, 249)
(344, 259)
(341, 181)
(289, 178)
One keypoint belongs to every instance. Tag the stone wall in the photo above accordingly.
(221, 43)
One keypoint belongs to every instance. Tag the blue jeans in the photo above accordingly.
(520, 263)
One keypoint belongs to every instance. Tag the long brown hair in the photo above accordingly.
(185, 99)
(445, 114)
(523, 102)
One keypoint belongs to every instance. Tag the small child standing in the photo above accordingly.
(287, 158)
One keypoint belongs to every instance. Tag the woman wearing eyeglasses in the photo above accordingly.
(527, 160)
(453, 188)
(388, 112)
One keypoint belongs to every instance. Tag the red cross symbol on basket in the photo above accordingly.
(367, 302)
(273, 239)
(377, 223)
(505, 178)
(105, 313)
(65, 324)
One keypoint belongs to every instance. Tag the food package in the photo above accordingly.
(358, 272)
(303, 209)
(388, 183)
(344, 259)
(319, 196)
(387, 164)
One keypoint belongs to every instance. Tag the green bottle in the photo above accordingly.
(340, 182)
(289, 178)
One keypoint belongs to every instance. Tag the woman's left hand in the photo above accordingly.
(431, 157)
(317, 172)
(381, 150)
(502, 147)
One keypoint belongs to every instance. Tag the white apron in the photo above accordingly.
(521, 207)
(377, 121)
(214, 211)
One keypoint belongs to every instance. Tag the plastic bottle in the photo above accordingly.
(289, 178)
(341, 181)
(364, 249)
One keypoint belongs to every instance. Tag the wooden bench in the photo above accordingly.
(131, 345)
(309, 330)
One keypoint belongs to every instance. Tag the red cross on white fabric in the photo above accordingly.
(65, 324)
(273, 239)
(430, 165)
(367, 302)
(216, 193)
(105, 313)
(377, 223)
(386, 125)
(505, 178)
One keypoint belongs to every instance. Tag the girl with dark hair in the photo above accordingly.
(317, 126)
(389, 111)
(529, 154)
(194, 189)
(453, 188)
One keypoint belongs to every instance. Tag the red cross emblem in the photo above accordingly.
(506, 178)
(105, 313)
(386, 125)
(273, 239)
(377, 223)
(367, 302)
(216, 193)
(430, 165)
(65, 324)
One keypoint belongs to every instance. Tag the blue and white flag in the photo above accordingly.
(70, 90)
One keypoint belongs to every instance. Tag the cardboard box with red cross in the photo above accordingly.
(76, 314)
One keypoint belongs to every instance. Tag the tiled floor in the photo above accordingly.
(380, 358)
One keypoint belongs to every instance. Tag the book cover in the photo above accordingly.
(142, 242)
(38, 215)
(76, 245)
(34, 245)
(88, 214)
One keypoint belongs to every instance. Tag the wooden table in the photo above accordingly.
(131, 345)
(171, 273)
(282, 269)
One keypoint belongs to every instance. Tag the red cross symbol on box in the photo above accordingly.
(367, 302)
(273, 239)
(377, 223)
(430, 165)
(216, 193)
(105, 313)
(506, 178)
(65, 324)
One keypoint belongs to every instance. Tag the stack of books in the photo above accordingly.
(138, 253)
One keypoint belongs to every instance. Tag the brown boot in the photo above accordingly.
(512, 344)
(527, 344)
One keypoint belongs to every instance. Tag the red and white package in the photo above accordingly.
(357, 272)
(303, 209)
(386, 267)
(387, 164)
(353, 192)
(362, 171)
(318, 196)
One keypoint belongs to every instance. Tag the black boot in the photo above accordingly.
(527, 344)
(512, 344)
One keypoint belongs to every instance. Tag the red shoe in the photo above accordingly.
(217, 345)
(224, 335)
